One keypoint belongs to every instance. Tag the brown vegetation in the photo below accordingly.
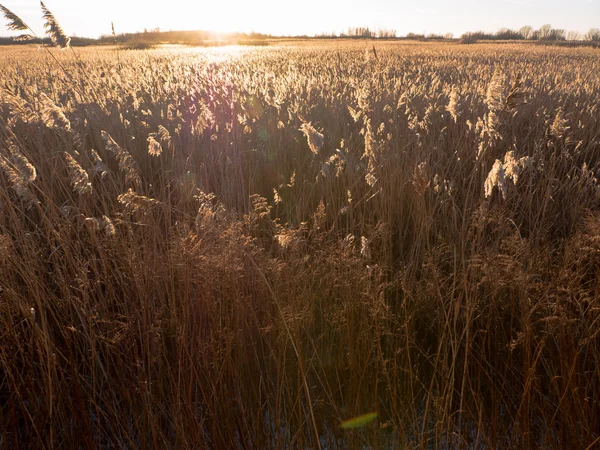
(244, 248)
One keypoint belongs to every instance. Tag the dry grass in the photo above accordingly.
(244, 248)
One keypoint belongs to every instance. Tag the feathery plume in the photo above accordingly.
(133, 202)
(165, 136)
(492, 125)
(154, 147)
(513, 166)
(108, 226)
(52, 115)
(99, 166)
(103, 224)
(80, 180)
(314, 138)
(24, 37)
(365, 249)
(20, 174)
(355, 113)
(495, 92)
(159, 140)
(502, 172)
(370, 155)
(421, 178)
(22, 165)
(559, 126)
(125, 160)
(14, 22)
(496, 177)
(285, 240)
(19, 108)
(452, 107)
(53, 29)
(348, 243)
(276, 197)
(517, 95)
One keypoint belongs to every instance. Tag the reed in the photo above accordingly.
(296, 246)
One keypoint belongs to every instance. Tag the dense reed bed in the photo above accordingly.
(244, 247)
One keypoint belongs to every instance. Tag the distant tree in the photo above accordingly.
(360, 32)
(547, 33)
(482, 35)
(468, 38)
(544, 32)
(526, 32)
(326, 35)
(593, 35)
(558, 35)
(386, 34)
(573, 36)
(415, 36)
(508, 34)
(449, 36)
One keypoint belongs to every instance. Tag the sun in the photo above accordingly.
(176, 15)
(83, 19)
(218, 16)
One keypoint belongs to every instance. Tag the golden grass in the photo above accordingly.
(244, 248)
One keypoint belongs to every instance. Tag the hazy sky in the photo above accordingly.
(93, 17)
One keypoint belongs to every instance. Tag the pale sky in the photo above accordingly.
(91, 18)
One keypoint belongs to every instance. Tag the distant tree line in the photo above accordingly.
(545, 33)
(383, 33)
(361, 32)
(156, 36)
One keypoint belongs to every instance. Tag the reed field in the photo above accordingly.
(248, 247)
